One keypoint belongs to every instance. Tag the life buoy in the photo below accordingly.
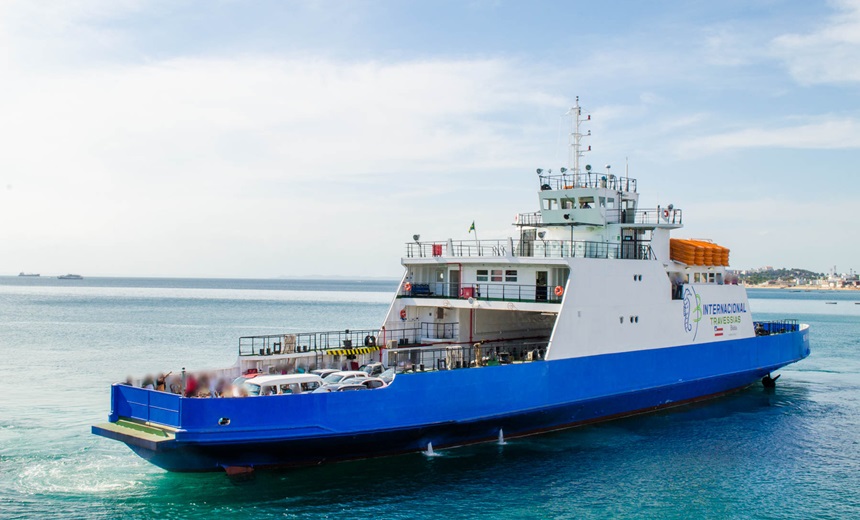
(407, 287)
(559, 290)
(402, 314)
(665, 213)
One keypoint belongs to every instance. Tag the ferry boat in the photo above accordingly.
(70, 277)
(590, 312)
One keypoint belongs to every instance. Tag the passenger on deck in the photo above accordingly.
(148, 383)
(222, 388)
(203, 387)
(173, 384)
(160, 381)
(190, 386)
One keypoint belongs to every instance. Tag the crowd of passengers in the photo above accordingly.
(208, 385)
(204, 385)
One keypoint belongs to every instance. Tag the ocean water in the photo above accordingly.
(789, 453)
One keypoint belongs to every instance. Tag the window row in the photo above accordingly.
(578, 202)
(497, 275)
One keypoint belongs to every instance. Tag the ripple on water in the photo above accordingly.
(77, 474)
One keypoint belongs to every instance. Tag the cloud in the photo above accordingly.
(829, 54)
(832, 133)
(185, 156)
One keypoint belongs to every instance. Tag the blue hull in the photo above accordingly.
(445, 408)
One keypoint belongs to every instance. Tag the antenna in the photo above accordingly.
(576, 136)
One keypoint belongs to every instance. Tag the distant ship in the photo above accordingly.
(70, 277)
(22, 273)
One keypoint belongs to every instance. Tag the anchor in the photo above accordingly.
(769, 382)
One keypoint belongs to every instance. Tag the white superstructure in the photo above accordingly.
(589, 273)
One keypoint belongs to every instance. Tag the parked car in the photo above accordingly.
(282, 385)
(388, 375)
(373, 369)
(323, 372)
(340, 376)
(372, 383)
(340, 387)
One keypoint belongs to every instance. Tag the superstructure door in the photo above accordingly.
(454, 283)
(540, 286)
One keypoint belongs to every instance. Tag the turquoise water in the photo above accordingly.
(789, 453)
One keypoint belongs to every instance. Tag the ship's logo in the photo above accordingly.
(692, 311)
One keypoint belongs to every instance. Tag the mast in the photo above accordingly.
(575, 138)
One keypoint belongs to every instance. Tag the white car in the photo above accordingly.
(372, 383)
(323, 372)
(343, 376)
(349, 384)
(282, 385)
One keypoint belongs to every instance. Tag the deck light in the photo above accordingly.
(415, 238)
(539, 171)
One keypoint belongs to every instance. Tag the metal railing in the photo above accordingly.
(421, 359)
(529, 219)
(459, 248)
(318, 342)
(569, 181)
(766, 328)
(615, 215)
(507, 292)
(651, 216)
(535, 248)
(303, 342)
(440, 330)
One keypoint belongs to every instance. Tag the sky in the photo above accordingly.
(314, 138)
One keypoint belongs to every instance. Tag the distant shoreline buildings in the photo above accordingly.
(768, 276)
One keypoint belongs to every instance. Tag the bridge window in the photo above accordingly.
(550, 204)
(496, 275)
(567, 203)
(511, 275)
(482, 275)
